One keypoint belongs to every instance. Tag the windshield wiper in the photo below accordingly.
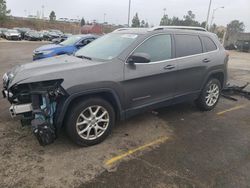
(84, 57)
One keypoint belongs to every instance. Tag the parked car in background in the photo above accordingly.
(12, 34)
(119, 75)
(43, 33)
(69, 46)
(23, 31)
(2, 30)
(63, 20)
(52, 34)
(32, 35)
(61, 39)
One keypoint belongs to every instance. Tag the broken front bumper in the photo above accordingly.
(20, 109)
(6, 94)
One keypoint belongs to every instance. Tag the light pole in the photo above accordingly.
(214, 10)
(129, 6)
(42, 11)
(208, 12)
(104, 17)
(164, 10)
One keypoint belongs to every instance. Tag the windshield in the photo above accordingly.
(107, 47)
(12, 31)
(71, 41)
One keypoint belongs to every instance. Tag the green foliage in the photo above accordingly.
(83, 22)
(3, 10)
(188, 20)
(235, 26)
(220, 34)
(203, 24)
(142, 23)
(165, 20)
(136, 21)
(213, 28)
(52, 16)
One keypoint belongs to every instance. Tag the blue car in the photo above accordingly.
(69, 46)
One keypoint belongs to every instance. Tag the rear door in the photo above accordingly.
(153, 82)
(191, 62)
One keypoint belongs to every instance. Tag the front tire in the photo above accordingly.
(90, 121)
(210, 95)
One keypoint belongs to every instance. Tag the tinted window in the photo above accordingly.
(208, 44)
(187, 45)
(158, 47)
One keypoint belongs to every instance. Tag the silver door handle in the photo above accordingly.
(169, 67)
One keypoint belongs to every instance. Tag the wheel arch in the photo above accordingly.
(218, 74)
(106, 94)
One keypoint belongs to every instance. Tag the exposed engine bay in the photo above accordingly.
(37, 104)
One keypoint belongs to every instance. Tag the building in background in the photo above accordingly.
(94, 29)
(239, 41)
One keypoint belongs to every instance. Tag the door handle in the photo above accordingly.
(206, 60)
(169, 67)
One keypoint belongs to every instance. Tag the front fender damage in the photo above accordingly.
(44, 98)
(43, 123)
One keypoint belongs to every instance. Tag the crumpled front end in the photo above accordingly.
(37, 104)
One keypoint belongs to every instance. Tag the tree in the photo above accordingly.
(142, 23)
(189, 16)
(146, 25)
(203, 24)
(136, 21)
(165, 20)
(82, 22)
(176, 21)
(3, 10)
(189, 19)
(213, 28)
(235, 26)
(52, 16)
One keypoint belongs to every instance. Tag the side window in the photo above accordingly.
(157, 47)
(208, 44)
(187, 45)
(87, 41)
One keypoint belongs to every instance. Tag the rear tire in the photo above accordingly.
(210, 95)
(90, 121)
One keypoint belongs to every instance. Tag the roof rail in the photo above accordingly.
(131, 29)
(121, 29)
(177, 27)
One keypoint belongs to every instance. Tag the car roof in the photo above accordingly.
(163, 29)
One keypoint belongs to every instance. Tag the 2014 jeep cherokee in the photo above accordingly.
(121, 74)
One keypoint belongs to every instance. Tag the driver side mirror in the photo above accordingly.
(139, 58)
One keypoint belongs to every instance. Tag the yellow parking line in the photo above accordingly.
(231, 109)
(130, 152)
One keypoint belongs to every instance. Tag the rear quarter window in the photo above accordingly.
(209, 45)
(187, 45)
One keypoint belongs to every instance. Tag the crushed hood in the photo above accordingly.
(48, 69)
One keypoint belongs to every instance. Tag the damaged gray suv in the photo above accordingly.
(121, 74)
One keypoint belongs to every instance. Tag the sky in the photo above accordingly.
(150, 10)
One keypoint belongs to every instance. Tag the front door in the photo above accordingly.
(153, 82)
